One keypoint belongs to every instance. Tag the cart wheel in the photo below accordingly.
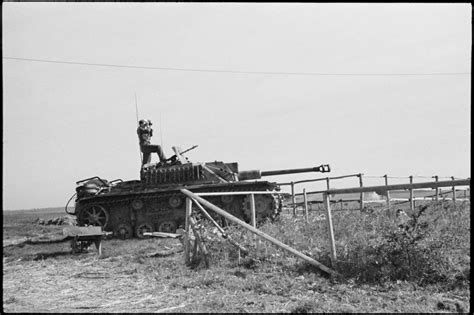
(75, 246)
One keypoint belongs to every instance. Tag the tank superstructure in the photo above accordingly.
(154, 203)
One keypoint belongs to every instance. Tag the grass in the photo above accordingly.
(47, 278)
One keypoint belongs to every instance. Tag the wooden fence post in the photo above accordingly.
(253, 216)
(361, 194)
(412, 201)
(388, 193)
(293, 199)
(305, 205)
(436, 189)
(332, 243)
(454, 194)
(187, 227)
(252, 210)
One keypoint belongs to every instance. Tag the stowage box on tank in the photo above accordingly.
(155, 203)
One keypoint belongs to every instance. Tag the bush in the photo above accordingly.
(421, 249)
(432, 245)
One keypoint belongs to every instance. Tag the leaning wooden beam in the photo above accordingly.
(257, 232)
(224, 234)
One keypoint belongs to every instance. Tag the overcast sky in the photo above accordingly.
(294, 86)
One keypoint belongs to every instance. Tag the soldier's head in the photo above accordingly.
(143, 123)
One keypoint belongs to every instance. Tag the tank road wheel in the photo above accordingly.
(137, 204)
(123, 231)
(265, 207)
(167, 227)
(227, 199)
(175, 201)
(142, 228)
(94, 215)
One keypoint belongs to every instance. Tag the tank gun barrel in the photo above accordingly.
(322, 168)
(256, 174)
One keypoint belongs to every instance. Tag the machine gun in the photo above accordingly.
(177, 158)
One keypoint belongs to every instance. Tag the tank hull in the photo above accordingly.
(130, 209)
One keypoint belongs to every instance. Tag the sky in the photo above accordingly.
(367, 88)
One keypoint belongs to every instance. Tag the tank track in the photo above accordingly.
(130, 215)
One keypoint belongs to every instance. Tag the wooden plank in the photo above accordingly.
(257, 232)
(320, 179)
(230, 193)
(71, 230)
(162, 234)
(448, 183)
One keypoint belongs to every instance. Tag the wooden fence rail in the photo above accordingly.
(361, 200)
(327, 195)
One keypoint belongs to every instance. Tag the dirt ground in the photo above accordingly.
(131, 276)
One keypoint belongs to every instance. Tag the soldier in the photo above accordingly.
(145, 132)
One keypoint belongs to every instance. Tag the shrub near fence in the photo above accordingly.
(429, 246)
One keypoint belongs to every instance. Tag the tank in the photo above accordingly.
(155, 203)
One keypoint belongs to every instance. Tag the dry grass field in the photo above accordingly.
(421, 265)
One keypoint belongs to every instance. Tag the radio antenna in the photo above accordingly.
(161, 134)
(136, 107)
(138, 124)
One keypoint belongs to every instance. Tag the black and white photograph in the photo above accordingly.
(226, 157)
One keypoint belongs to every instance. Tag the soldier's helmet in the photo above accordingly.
(142, 122)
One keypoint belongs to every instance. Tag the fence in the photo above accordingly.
(386, 188)
(361, 200)
(196, 197)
